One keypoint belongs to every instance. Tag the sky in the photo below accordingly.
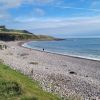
(61, 18)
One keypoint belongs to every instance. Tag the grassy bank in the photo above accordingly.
(16, 86)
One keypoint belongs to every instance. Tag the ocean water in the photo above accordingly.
(80, 47)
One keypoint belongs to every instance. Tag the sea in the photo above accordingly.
(79, 47)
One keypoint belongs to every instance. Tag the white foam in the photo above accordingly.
(65, 54)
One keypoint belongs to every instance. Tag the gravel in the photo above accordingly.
(62, 75)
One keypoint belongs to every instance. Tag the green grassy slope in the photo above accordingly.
(12, 34)
(16, 86)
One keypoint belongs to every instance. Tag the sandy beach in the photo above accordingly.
(63, 75)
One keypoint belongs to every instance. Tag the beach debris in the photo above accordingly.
(1, 61)
(65, 65)
(24, 54)
(86, 75)
(34, 63)
(9, 53)
(72, 72)
(3, 46)
(24, 57)
(31, 71)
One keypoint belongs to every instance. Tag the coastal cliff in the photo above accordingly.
(12, 35)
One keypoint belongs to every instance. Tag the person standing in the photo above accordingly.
(43, 49)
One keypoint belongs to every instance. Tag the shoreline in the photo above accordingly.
(56, 73)
(56, 53)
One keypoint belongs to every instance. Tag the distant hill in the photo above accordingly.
(12, 35)
(4, 29)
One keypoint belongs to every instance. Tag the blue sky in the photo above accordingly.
(65, 18)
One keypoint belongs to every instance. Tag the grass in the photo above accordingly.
(11, 36)
(16, 86)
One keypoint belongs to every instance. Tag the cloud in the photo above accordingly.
(69, 27)
(43, 1)
(10, 3)
(5, 5)
(79, 28)
(78, 8)
(47, 2)
(4, 16)
(38, 12)
(95, 4)
(17, 3)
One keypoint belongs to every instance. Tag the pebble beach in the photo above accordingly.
(60, 74)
